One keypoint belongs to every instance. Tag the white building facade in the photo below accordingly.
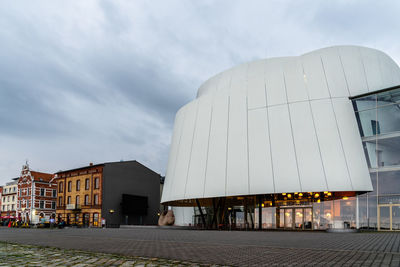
(9, 200)
(280, 142)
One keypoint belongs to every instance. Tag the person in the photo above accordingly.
(103, 222)
(52, 221)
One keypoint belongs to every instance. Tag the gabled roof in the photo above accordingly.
(41, 176)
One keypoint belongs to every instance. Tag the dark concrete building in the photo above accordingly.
(131, 194)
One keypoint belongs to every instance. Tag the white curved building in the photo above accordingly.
(279, 132)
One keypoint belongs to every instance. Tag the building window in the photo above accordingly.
(53, 205)
(96, 199)
(54, 193)
(13, 197)
(77, 200)
(69, 186)
(28, 204)
(12, 207)
(96, 183)
(60, 201)
(78, 185)
(41, 204)
(69, 200)
(77, 218)
(87, 184)
(86, 199)
(42, 192)
(60, 187)
(29, 191)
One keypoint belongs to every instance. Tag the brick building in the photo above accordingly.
(36, 196)
(120, 192)
(9, 200)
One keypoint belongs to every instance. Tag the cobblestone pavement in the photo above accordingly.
(234, 248)
(28, 255)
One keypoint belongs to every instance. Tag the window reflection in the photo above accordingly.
(389, 182)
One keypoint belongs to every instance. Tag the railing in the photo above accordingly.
(73, 207)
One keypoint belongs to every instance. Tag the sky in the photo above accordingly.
(101, 81)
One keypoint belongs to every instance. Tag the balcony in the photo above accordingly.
(73, 207)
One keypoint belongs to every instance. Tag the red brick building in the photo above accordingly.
(37, 196)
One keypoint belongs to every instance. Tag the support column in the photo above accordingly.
(201, 213)
(357, 214)
(259, 212)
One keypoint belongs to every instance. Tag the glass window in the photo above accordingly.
(388, 97)
(388, 152)
(86, 199)
(87, 184)
(53, 205)
(41, 204)
(69, 200)
(60, 187)
(78, 185)
(69, 186)
(96, 199)
(389, 118)
(77, 200)
(389, 182)
(96, 183)
(366, 102)
(42, 191)
(54, 193)
(60, 201)
(365, 122)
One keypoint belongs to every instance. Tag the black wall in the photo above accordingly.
(131, 178)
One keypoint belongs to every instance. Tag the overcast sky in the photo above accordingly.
(99, 81)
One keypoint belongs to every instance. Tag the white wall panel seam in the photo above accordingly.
(226, 148)
(208, 149)
(248, 163)
(176, 159)
(337, 126)
(365, 73)
(315, 130)
(344, 72)
(292, 135)
(191, 146)
(269, 132)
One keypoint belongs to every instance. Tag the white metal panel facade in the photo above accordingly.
(277, 125)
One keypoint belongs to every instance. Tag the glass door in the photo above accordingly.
(384, 218)
(389, 217)
(395, 217)
(288, 218)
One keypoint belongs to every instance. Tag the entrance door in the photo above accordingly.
(299, 218)
(389, 217)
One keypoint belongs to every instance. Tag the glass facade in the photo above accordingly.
(378, 118)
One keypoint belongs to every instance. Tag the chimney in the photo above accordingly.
(90, 164)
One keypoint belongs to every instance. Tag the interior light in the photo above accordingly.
(289, 195)
(319, 200)
(325, 192)
(329, 194)
(262, 205)
(301, 194)
(270, 204)
(295, 193)
(283, 194)
(345, 198)
(316, 195)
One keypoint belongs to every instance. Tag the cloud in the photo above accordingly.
(95, 81)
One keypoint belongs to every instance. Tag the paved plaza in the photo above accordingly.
(236, 248)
